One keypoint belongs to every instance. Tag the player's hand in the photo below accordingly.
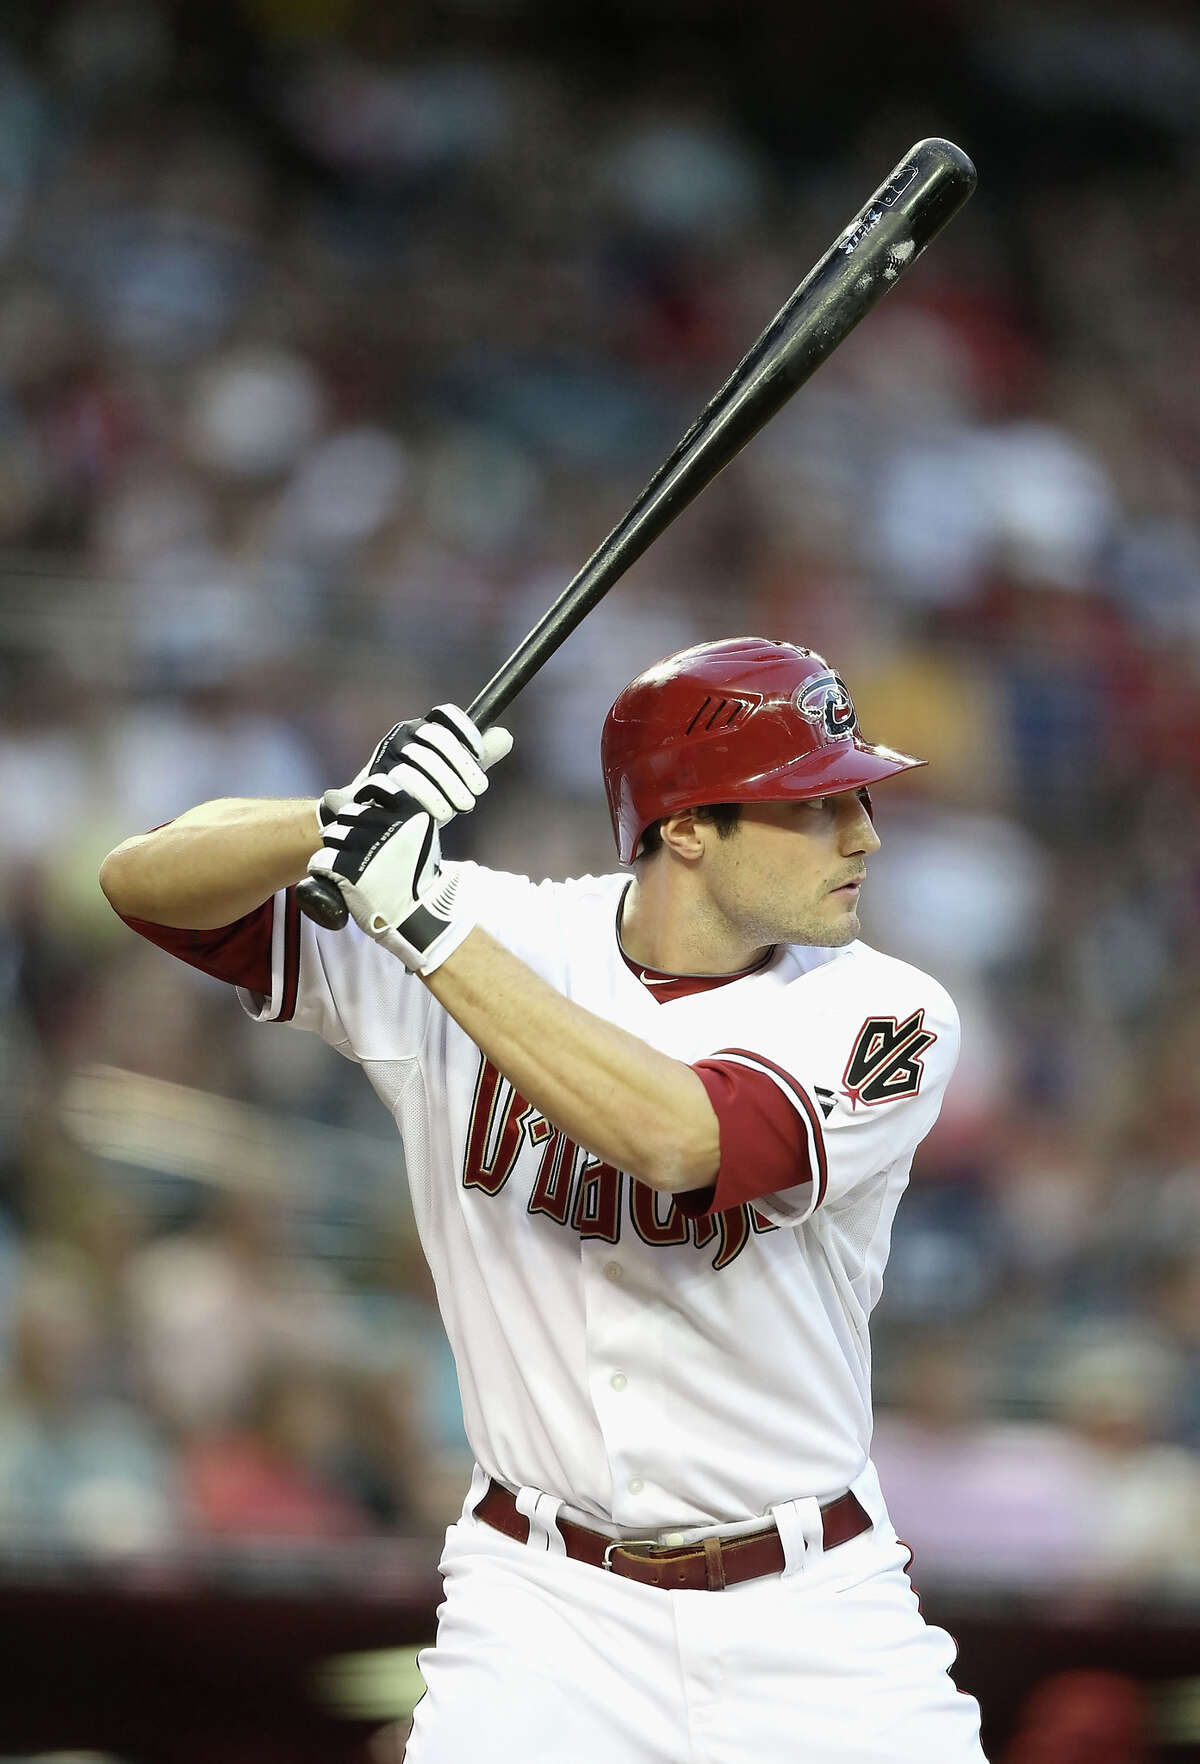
(438, 763)
(381, 832)
(389, 871)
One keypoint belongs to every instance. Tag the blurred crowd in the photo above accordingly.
(328, 352)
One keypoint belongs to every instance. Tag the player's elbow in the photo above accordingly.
(681, 1152)
(115, 878)
(680, 1178)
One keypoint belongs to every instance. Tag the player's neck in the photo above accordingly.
(673, 929)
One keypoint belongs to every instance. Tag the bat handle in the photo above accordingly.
(320, 900)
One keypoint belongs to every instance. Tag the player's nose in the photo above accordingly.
(856, 830)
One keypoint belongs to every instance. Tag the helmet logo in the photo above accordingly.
(826, 701)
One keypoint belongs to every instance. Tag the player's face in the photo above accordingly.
(791, 872)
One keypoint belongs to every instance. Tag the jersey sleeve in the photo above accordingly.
(284, 972)
(838, 1084)
(355, 994)
(341, 984)
(764, 1145)
(238, 953)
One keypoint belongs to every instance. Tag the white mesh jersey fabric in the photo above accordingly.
(654, 1372)
(400, 1084)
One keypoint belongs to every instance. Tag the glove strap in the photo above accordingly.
(429, 957)
(429, 932)
(422, 928)
(431, 929)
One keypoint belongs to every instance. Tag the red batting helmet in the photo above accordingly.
(743, 720)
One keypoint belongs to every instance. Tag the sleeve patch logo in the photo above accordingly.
(886, 1062)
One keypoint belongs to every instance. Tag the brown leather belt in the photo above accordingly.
(707, 1566)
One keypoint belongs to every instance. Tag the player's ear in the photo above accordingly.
(682, 835)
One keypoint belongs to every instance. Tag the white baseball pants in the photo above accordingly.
(543, 1660)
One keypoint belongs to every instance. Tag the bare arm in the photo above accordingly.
(635, 1107)
(213, 863)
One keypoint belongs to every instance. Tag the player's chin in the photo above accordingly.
(826, 930)
(843, 933)
(843, 925)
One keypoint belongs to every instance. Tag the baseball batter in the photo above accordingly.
(656, 1125)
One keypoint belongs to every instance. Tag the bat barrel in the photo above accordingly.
(889, 232)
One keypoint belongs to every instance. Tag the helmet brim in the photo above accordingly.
(857, 766)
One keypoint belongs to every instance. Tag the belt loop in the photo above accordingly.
(714, 1565)
(480, 1483)
(799, 1526)
(541, 1510)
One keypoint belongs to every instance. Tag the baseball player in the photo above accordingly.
(656, 1126)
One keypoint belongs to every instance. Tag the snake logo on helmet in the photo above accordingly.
(827, 700)
(746, 719)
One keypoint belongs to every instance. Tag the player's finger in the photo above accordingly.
(488, 746)
(460, 724)
(336, 827)
(438, 739)
(497, 745)
(444, 774)
(389, 789)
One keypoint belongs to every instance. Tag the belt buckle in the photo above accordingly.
(623, 1543)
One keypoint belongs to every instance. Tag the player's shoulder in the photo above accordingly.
(861, 976)
(501, 897)
(573, 888)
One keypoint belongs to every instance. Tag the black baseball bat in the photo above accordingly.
(868, 257)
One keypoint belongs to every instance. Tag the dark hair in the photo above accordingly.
(724, 816)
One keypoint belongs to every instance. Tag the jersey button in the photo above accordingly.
(672, 1540)
(613, 1271)
(636, 1486)
(618, 1381)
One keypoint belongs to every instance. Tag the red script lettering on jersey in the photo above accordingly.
(570, 1188)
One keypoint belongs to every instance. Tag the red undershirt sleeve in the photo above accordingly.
(769, 1129)
(239, 954)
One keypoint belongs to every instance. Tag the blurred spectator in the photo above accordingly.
(1093, 1496)
(976, 1499)
(212, 1309)
(79, 1469)
(1083, 1718)
(1138, 1493)
(288, 1469)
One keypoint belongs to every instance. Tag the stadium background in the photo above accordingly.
(332, 338)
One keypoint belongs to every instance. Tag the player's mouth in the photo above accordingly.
(849, 889)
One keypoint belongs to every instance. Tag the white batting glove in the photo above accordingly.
(439, 762)
(389, 871)
(381, 845)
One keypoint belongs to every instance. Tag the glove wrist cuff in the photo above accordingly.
(428, 957)
(430, 930)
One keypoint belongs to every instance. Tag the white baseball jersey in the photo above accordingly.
(656, 1363)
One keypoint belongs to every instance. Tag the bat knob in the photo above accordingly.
(320, 900)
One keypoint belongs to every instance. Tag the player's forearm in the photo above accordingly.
(213, 863)
(633, 1106)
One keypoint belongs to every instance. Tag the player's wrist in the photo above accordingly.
(422, 933)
